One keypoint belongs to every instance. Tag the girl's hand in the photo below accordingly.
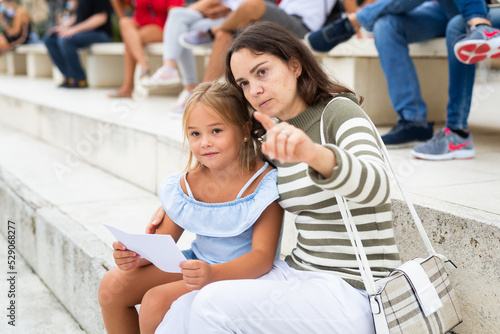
(125, 259)
(285, 142)
(196, 274)
(155, 221)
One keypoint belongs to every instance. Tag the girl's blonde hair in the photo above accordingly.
(226, 101)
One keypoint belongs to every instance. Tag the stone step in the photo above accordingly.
(59, 221)
(77, 159)
(33, 307)
(137, 140)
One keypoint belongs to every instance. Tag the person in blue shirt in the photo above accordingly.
(395, 24)
(227, 197)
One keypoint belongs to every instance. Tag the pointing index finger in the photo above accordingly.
(265, 120)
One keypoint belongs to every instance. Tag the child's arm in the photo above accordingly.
(128, 260)
(254, 264)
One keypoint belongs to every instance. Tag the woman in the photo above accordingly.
(16, 25)
(146, 26)
(317, 288)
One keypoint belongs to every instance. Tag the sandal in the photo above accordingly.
(116, 95)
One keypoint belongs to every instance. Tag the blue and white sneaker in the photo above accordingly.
(480, 43)
(408, 133)
(445, 145)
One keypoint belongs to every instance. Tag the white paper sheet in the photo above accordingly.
(160, 249)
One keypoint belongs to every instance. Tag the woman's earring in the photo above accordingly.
(245, 139)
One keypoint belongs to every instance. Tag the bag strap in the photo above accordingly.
(385, 155)
(352, 231)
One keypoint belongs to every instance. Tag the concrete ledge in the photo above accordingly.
(355, 63)
(365, 47)
(105, 65)
(113, 137)
(3, 64)
(59, 229)
(61, 236)
(33, 299)
(470, 239)
(96, 139)
(38, 63)
(16, 63)
(53, 255)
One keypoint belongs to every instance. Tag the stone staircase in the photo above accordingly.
(71, 160)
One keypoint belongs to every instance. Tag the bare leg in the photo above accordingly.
(120, 291)
(216, 63)
(136, 34)
(247, 12)
(157, 302)
(4, 44)
(354, 21)
(127, 86)
(136, 37)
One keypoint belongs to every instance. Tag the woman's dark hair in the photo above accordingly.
(313, 85)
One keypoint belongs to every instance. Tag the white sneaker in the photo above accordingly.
(180, 104)
(164, 76)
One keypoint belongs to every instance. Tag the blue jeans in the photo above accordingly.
(64, 51)
(392, 35)
(461, 75)
(368, 15)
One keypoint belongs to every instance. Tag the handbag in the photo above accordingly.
(417, 297)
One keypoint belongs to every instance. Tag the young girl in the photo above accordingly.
(227, 197)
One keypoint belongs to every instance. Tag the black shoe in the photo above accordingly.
(64, 84)
(77, 84)
(331, 35)
(406, 133)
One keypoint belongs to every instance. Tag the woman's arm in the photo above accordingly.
(20, 18)
(353, 167)
(360, 174)
(254, 264)
(155, 221)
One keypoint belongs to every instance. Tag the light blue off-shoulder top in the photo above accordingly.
(223, 230)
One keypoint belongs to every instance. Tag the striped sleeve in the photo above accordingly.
(360, 174)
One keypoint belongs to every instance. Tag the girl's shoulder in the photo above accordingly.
(217, 219)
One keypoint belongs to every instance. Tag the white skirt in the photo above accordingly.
(285, 300)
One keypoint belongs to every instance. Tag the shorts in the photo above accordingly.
(189, 254)
(17, 40)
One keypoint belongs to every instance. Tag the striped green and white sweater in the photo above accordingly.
(360, 176)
